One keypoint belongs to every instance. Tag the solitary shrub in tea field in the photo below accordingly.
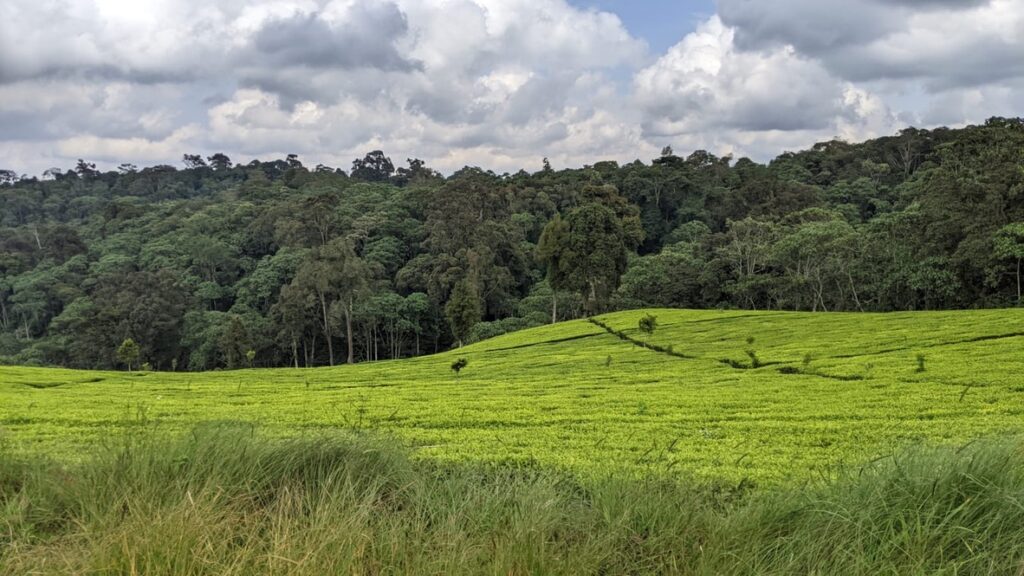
(458, 365)
(648, 324)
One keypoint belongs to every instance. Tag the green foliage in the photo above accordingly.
(458, 365)
(1009, 245)
(596, 251)
(920, 362)
(648, 324)
(128, 352)
(463, 309)
(484, 330)
(312, 259)
(234, 343)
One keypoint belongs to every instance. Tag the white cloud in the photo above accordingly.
(941, 43)
(707, 93)
(496, 83)
(115, 150)
(499, 79)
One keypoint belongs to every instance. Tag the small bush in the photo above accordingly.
(648, 324)
(458, 365)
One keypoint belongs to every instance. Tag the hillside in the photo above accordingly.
(575, 396)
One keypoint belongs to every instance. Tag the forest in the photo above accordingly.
(220, 264)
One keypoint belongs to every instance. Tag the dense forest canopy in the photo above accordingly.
(223, 265)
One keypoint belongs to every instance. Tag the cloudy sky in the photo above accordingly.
(494, 83)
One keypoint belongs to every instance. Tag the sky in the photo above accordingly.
(499, 84)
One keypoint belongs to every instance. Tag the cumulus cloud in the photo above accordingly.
(505, 80)
(705, 83)
(707, 92)
(364, 40)
(497, 83)
(944, 43)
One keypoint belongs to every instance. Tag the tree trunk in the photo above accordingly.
(554, 306)
(327, 329)
(853, 288)
(590, 302)
(295, 351)
(4, 321)
(1018, 281)
(348, 332)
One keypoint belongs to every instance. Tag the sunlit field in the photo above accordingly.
(762, 398)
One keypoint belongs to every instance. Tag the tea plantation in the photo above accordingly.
(741, 396)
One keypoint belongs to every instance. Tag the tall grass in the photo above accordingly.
(222, 501)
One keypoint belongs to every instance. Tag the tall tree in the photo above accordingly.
(128, 352)
(463, 309)
(552, 252)
(596, 250)
(1009, 245)
(335, 275)
(374, 167)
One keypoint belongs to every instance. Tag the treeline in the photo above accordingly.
(219, 265)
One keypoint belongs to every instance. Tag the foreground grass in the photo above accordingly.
(222, 501)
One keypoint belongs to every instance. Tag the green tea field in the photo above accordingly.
(762, 397)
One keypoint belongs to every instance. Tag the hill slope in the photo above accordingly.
(575, 395)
